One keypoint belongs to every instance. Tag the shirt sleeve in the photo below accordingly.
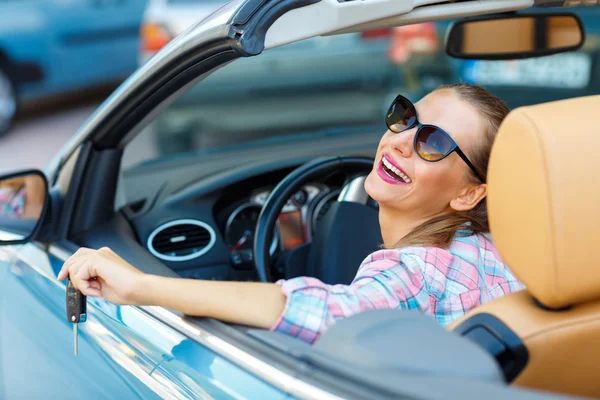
(386, 279)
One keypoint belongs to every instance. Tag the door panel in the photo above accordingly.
(36, 341)
(122, 349)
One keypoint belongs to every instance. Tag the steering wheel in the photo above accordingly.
(335, 243)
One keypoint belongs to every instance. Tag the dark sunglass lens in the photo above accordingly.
(433, 144)
(401, 115)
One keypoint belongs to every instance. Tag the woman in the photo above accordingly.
(22, 197)
(429, 181)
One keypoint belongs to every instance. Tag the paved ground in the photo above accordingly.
(36, 137)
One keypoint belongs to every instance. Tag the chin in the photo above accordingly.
(374, 188)
(381, 192)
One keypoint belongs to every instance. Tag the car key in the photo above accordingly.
(76, 310)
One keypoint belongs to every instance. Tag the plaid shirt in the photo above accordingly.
(442, 283)
(11, 203)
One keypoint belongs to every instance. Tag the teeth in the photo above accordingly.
(395, 170)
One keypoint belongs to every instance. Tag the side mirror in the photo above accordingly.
(514, 36)
(23, 204)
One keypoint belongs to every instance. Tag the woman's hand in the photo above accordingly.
(102, 273)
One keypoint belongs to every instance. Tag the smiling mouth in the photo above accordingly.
(393, 172)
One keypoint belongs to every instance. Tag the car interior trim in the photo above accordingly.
(230, 176)
(497, 339)
(354, 191)
(441, 11)
(328, 16)
(176, 222)
(255, 18)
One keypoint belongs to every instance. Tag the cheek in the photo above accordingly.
(438, 179)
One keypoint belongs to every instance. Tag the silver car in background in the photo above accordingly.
(306, 85)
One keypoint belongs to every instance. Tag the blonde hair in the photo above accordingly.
(440, 231)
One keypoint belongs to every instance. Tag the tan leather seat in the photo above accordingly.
(544, 211)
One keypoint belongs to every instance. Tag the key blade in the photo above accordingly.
(75, 339)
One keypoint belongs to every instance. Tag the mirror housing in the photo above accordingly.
(514, 36)
(23, 205)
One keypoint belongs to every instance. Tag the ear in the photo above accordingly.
(469, 197)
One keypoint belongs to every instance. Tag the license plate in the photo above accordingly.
(569, 71)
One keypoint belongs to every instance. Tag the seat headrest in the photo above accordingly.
(544, 199)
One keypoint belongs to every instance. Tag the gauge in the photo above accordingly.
(239, 233)
(300, 198)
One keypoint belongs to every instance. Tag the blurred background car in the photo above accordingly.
(352, 71)
(51, 47)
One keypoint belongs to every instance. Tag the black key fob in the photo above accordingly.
(76, 304)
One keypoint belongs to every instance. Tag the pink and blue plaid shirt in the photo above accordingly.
(442, 283)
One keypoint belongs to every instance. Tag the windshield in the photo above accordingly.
(342, 85)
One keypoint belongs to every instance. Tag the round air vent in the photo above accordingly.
(181, 240)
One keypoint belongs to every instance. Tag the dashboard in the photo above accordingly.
(295, 224)
(197, 214)
(208, 233)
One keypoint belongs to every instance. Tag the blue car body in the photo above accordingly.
(123, 352)
(56, 46)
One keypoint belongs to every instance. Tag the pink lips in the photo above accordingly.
(386, 178)
(394, 163)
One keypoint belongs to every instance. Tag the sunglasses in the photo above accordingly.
(431, 143)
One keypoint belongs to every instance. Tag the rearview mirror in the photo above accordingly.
(23, 203)
(514, 36)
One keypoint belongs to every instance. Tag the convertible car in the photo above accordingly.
(245, 201)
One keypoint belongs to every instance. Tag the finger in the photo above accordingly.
(84, 270)
(90, 291)
(105, 249)
(80, 275)
(76, 265)
(66, 268)
(94, 284)
(81, 252)
(64, 272)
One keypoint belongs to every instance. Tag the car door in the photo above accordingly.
(92, 41)
(123, 351)
(36, 350)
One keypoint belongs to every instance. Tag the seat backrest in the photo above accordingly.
(544, 212)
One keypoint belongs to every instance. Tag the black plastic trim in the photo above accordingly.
(256, 17)
(95, 199)
(72, 194)
(512, 363)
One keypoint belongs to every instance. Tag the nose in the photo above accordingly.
(403, 142)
